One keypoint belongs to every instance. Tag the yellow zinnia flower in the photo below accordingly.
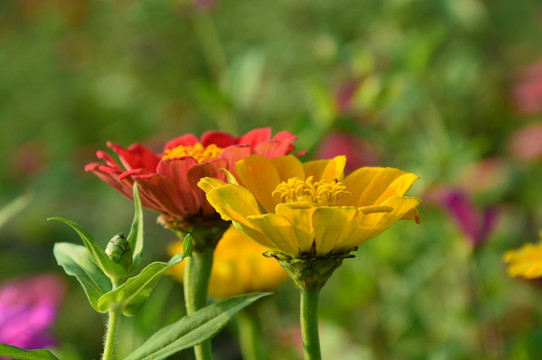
(525, 262)
(238, 267)
(310, 209)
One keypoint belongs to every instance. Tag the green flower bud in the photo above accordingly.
(119, 250)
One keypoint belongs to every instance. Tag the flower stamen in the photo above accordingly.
(199, 152)
(321, 192)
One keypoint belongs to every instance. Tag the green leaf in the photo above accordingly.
(135, 238)
(98, 255)
(21, 354)
(77, 262)
(193, 329)
(133, 294)
(187, 245)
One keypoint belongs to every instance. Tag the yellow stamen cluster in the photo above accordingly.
(198, 152)
(317, 192)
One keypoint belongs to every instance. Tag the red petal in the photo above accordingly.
(286, 141)
(110, 176)
(255, 137)
(210, 169)
(177, 169)
(267, 149)
(233, 154)
(108, 159)
(185, 140)
(161, 192)
(136, 156)
(219, 138)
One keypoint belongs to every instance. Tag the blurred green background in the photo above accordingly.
(436, 87)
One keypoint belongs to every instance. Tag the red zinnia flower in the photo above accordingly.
(167, 181)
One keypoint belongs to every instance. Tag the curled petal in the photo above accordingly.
(136, 156)
(207, 184)
(373, 185)
(207, 169)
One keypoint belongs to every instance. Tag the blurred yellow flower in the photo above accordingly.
(238, 267)
(301, 209)
(525, 262)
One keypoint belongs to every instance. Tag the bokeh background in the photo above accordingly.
(448, 89)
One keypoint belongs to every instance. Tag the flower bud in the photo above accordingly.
(119, 250)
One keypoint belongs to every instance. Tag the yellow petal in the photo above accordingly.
(373, 185)
(331, 225)
(300, 215)
(525, 262)
(367, 226)
(233, 199)
(207, 184)
(288, 167)
(326, 169)
(279, 230)
(260, 177)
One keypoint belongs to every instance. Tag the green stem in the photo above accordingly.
(309, 324)
(112, 323)
(196, 280)
(250, 339)
(109, 346)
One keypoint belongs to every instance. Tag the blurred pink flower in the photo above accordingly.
(358, 152)
(526, 143)
(28, 308)
(475, 224)
(527, 92)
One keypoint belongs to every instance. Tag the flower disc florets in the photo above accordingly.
(199, 152)
(321, 192)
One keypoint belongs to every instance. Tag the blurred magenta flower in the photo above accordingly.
(527, 92)
(168, 180)
(28, 308)
(526, 143)
(358, 152)
(476, 225)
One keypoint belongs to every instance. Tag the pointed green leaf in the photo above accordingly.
(135, 238)
(187, 245)
(193, 329)
(133, 294)
(21, 354)
(98, 255)
(76, 261)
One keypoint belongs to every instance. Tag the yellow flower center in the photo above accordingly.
(198, 152)
(317, 192)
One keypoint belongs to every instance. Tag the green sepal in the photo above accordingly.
(77, 262)
(132, 295)
(135, 237)
(98, 255)
(17, 353)
(187, 245)
(193, 329)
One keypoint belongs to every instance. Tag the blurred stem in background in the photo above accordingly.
(489, 334)
(215, 57)
(250, 333)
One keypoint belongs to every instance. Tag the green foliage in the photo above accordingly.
(21, 354)
(132, 295)
(193, 329)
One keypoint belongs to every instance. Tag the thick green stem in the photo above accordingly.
(250, 337)
(196, 280)
(309, 323)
